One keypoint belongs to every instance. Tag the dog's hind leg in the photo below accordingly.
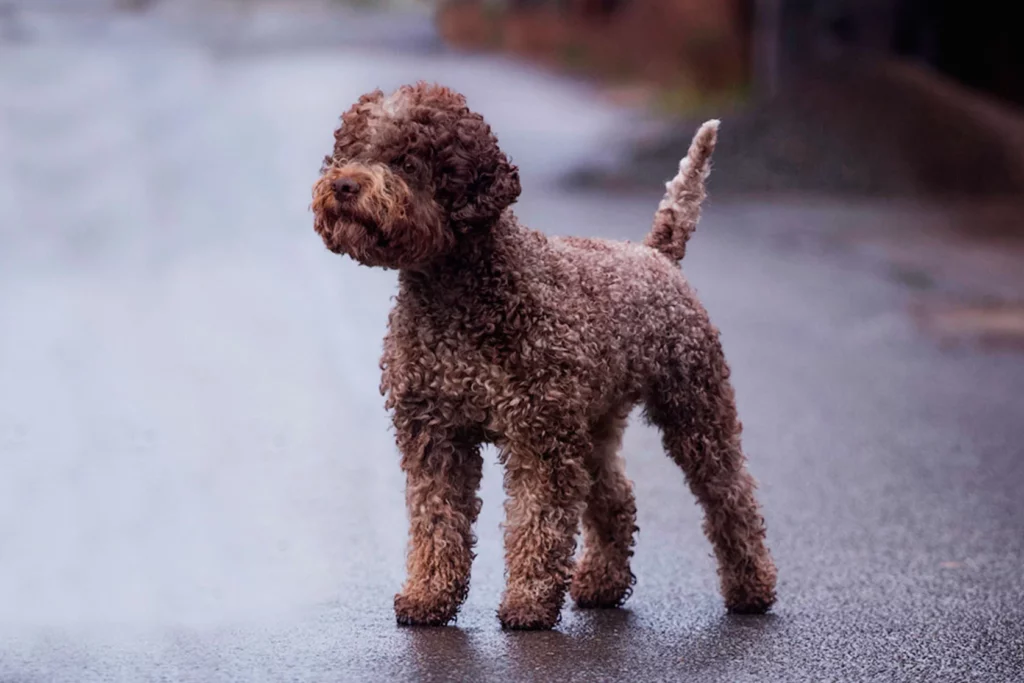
(603, 577)
(692, 403)
(443, 472)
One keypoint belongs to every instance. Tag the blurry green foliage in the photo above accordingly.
(685, 99)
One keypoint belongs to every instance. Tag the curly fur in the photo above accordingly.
(540, 345)
(679, 211)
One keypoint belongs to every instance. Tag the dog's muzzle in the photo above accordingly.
(345, 188)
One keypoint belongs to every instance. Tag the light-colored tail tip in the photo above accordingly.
(708, 131)
(698, 157)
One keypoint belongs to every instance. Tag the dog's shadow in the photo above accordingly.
(444, 649)
(604, 643)
(615, 642)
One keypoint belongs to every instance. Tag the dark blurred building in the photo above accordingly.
(979, 43)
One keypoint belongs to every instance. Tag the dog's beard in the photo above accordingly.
(385, 226)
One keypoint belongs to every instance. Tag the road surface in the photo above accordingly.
(197, 482)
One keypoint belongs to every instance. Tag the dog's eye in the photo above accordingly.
(409, 166)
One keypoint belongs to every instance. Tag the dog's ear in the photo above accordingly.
(477, 181)
(495, 188)
(481, 180)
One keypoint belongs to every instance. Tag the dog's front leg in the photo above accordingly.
(443, 471)
(546, 489)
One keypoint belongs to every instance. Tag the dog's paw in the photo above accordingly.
(524, 615)
(420, 610)
(595, 586)
(609, 598)
(751, 592)
(754, 605)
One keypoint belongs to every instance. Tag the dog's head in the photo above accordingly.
(410, 175)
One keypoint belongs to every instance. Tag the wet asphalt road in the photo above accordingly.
(196, 478)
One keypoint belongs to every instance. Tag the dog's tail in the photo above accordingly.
(679, 211)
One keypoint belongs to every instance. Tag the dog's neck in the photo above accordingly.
(479, 265)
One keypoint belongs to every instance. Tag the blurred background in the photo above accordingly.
(197, 481)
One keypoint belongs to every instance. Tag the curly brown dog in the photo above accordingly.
(542, 346)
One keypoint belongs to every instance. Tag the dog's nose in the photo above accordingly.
(345, 188)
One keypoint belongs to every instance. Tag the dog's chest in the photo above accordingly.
(451, 364)
(478, 372)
